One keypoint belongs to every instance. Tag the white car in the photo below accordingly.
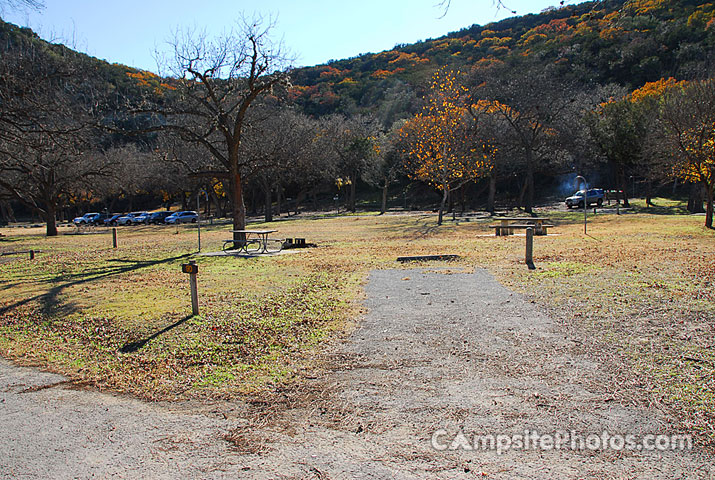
(86, 219)
(130, 218)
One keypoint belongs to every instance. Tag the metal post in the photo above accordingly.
(530, 248)
(194, 292)
(198, 221)
(114, 237)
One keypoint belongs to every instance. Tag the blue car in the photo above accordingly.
(186, 216)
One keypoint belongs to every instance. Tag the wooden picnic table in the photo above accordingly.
(258, 244)
(509, 224)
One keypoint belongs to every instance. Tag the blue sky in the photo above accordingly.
(315, 31)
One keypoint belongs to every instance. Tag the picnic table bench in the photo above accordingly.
(507, 225)
(260, 243)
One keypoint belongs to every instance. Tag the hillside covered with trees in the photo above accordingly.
(617, 90)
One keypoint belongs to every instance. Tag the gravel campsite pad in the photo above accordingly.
(435, 355)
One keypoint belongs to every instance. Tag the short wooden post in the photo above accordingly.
(530, 248)
(32, 254)
(114, 237)
(194, 291)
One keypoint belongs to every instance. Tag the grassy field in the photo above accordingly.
(639, 290)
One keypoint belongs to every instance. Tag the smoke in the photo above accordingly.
(567, 185)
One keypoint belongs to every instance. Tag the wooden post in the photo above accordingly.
(114, 237)
(32, 254)
(530, 248)
(194, 292)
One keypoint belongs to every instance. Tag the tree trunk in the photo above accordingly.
(445, 194)
(239, 209)
(351, 201)
(623, 185)
(528, 205)
(522, 193)
(709, 206)
(299, 199)
(217, 202)
(279, 198)
(463, 200)
(8, 214)
(492, 192)
(383, 206)
(695, 199)
(49, 217)
(268, 202)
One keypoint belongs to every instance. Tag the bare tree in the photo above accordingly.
(217, 81)
(274, 143)
(352, 141)
(532, 106)
(21, 5)
(46, 135)
(388, 164)
(499, 4)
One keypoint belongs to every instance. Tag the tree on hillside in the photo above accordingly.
(486, 134)
(688, 115)
(217, 81)
(532, 105)
(620, 128)
(48, 148)
(275, 144)
(437, 141)
(352, 140)
(388, 164)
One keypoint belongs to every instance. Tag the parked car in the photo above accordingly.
(158, 217)
(186, 216)
(86, 219)
(130, 218)
(99, 221)
(142, 218)
(112, 220)
(595, 195)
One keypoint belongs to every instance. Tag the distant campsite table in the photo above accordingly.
(507, 225)
(255, 241)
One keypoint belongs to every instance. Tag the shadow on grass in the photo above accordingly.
(50, 299)
(132, 347)
(661, 209)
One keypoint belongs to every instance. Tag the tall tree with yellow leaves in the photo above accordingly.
(688, 116)
(437, 142)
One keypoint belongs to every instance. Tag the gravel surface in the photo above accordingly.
(435, 352)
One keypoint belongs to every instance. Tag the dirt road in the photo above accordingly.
(435, 355)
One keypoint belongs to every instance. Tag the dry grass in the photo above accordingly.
(639, 290)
